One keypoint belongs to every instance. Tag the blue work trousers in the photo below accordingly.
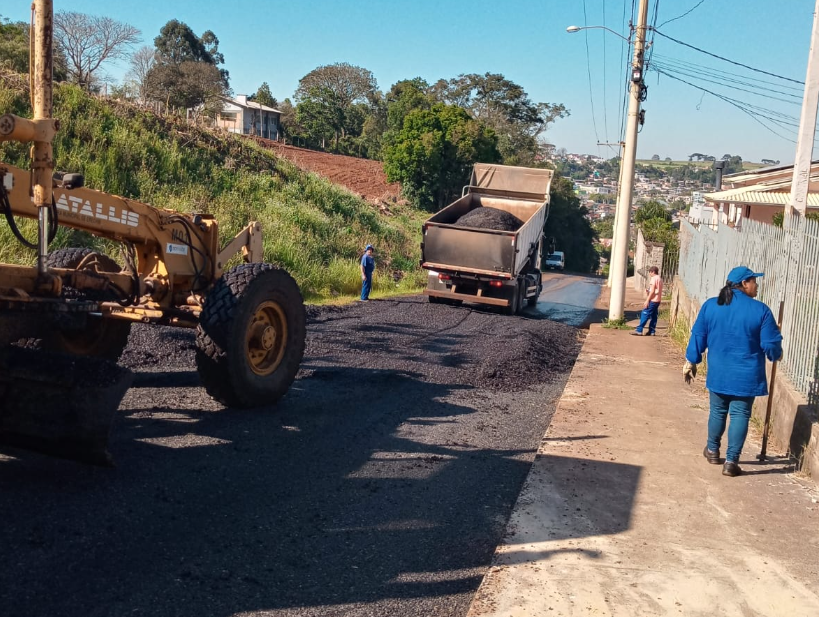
(366, 287)
(739, 409)
(649, 313)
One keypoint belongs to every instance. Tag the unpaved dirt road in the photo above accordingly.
(380, 486)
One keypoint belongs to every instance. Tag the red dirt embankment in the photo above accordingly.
(363, 177)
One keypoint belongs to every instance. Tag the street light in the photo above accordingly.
(572, 29)
(619, 254)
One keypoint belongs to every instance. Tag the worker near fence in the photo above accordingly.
(739, 332)
(367, 268)
(651, 307)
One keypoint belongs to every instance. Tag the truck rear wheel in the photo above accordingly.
(514, 302)
(89, 336)
(250, 338)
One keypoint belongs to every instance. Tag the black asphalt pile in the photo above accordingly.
(490, 218)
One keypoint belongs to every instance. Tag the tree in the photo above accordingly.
(142, 61)
(505, 107)
(331, 90)
(656, 157)
(651, 210)
(14, 46)
(186, 73)
(88, 41)
(569, 225)
(434, 151)
(667, 159)
(264, 97)
(604, 228)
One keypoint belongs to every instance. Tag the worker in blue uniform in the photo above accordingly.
(367, 268)
(739, 332)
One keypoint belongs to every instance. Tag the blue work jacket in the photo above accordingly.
(368, 261)
(738, 337)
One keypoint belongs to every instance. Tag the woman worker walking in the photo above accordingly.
(739, 332)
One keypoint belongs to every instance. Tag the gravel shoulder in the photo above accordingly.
(380, 485)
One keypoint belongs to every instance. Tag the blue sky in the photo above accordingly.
(525, 40)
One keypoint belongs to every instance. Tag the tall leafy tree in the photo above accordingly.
(404, 97)
(263, 96)
(334, 89)
(88, 41)
(504, 106)
(569, 225)
(434, 151)
(14, 45)
(186, 72)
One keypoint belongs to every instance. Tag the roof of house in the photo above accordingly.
(243, 102)
(774, 194)
(769, 186)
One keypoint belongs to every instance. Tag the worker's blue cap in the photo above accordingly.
(742, 273)
(368, 247)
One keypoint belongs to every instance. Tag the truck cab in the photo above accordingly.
(555, 261)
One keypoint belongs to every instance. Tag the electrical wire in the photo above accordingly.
(605, 107)
(730, 77)
(698, 76)
(708, 53)
(738, 104)
(683, 15)
(588, 71)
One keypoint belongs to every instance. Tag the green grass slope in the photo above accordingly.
(314, 229)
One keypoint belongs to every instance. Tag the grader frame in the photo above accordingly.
(249, 320)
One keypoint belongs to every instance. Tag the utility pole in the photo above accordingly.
(807, 129)
(619, 262)
(622, 145)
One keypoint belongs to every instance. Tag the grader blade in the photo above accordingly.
(59, 405)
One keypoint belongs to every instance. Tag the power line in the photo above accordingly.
(605, 107)
(588, 70)
(708, 53)
(738, 104)
(683, 15)
(728, 75)
(698, 76)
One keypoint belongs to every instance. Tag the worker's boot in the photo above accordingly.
(712, 456)
(731, 469)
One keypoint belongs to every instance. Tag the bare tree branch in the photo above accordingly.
(88, 41)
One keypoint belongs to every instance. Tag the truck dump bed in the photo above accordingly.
(521, 191)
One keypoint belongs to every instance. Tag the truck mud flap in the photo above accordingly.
(59, 405)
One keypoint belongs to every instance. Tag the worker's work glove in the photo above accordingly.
(689, 371)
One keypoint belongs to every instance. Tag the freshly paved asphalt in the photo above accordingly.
(380, 485)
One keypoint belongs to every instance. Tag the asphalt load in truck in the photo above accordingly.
(486, 217)
(397, 455)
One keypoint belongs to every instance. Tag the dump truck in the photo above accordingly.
(495, 267)
(65, 320)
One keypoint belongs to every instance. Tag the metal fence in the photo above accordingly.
(790, 261)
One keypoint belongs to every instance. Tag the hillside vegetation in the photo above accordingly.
(312, 228)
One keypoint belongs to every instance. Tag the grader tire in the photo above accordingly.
(100, 338)
(250, 338)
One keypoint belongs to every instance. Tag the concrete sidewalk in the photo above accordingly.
(622, 516)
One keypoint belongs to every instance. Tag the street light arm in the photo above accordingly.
(572, 29)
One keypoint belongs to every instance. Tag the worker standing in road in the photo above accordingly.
(739, 332)
(651, 307)
(367, 268)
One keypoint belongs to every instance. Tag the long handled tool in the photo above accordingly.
(762, 455)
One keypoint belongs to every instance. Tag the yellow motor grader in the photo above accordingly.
(77, 306)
